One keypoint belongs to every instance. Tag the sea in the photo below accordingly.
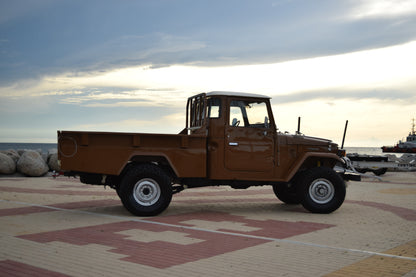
(375, 151)
(45, 147)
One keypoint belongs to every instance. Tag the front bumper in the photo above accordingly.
(347, 171)
(350, 176)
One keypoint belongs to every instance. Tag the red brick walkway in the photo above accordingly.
(63, 228)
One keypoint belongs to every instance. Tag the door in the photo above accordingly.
(249, 138)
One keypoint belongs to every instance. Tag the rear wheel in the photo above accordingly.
(145, 190)
(321, 190)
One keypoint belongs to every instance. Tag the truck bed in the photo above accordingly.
(108, 153)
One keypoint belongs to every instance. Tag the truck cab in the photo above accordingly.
(243, 142)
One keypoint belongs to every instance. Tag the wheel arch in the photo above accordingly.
(160, 160)
(310, 160)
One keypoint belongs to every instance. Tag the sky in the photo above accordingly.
(129, 66)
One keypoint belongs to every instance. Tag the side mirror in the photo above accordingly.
(266, 122)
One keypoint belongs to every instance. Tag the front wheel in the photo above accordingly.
(321, 190)
(145, 190)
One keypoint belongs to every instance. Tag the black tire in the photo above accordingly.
(321, 190)
(286, 193)
(380, 171)
(361, 170)
(118, 191)
(145, 190)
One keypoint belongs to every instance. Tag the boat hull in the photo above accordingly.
(396, 149)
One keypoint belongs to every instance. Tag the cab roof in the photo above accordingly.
(232, 93)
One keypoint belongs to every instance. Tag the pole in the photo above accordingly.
(343, 137)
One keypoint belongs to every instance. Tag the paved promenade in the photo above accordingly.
(60, 227)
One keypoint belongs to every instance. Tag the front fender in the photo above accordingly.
(313, 159)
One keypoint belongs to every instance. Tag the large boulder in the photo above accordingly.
(7, 165)
(12, 154)
(44, 157)
(53, 162)
(32, 164)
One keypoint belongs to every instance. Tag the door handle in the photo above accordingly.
(233, 143)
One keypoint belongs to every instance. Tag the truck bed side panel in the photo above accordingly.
(108, 153)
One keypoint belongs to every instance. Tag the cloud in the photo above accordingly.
(170, 123)
(12, 10)
(132, 98)
(129, 103)
(214, 33)
(378, 71)
(339, 95)
(383, 8)
(128, 50)
(372, 122)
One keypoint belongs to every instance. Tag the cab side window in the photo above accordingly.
(214, 107)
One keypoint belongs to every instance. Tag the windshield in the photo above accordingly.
(248, 114)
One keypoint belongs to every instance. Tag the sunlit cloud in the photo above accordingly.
(59, 93)
(368, 123)
(391, 67)
(383, 8)
(121, 104)
(133, 98)
(385, 69)
(171, 123)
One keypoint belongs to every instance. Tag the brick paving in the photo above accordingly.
(60, 227)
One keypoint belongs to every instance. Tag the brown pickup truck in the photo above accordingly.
(229, 139)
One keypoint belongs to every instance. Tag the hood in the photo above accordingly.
(312, 143)
(306, 140)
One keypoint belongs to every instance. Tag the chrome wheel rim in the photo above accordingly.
(146, 192)
(321, 191)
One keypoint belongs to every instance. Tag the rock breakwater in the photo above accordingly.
(32, 163)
